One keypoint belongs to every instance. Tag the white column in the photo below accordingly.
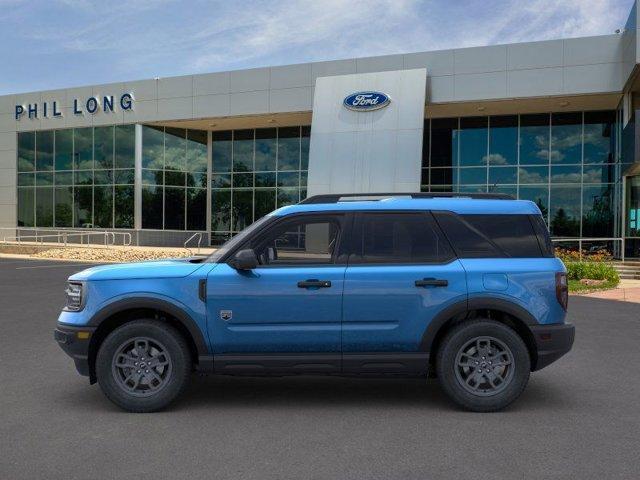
(138, 180)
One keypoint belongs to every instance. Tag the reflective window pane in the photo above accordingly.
(44, 207)
(83, 206)
(175, 149)
(605, 173)
(288, 148)
(241, 210)
(126, 176)
(533, 175)
(123, 200)
(473, 137)
(472, 176)
(26, 151)
(537, 195)
(221, 181)
(82, 148)
(305, 138)
(570, 174)
(534, 139)
(44, 179)
(152, 207)
(26, 207)
(221, 210)
(503, 140)
(243, 150)
(566, 138)
(443, 143)
(103, 147)
(103, 207)
(63, 149)
(288, 179)
(44, 150)
(287, 196)
(196, 209)
(266, 145)
(196, 151)
(174, 214)
(221, 147)
(125, 146)
(599, 140)
(152, 147)
(64, 178)
(152, 177)
(265, 202)
(564, 216)
(500, 175)
(597, 211)
(26, 179)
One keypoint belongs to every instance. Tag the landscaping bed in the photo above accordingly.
(589, 272)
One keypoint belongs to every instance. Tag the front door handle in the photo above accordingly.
(313, 283)
(432, 282)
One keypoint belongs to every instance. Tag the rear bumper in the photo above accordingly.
(75, 343)
(552, 342)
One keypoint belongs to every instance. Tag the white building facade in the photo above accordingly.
(551, 121)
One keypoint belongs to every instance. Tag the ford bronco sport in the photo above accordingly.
(462, 287)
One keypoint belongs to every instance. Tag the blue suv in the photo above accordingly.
(465, 288)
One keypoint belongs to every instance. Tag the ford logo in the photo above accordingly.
(366, 101)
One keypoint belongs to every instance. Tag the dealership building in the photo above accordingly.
(552, 121)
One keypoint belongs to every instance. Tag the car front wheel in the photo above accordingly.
(483, 365)
(143, 365)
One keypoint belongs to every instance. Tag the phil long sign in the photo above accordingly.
(91, 105)
(366, 101)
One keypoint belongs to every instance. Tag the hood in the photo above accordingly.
(140, 270)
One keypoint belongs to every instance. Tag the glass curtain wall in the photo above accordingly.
(81, 177)
(174, 178)
(254, 172)
(565, 162)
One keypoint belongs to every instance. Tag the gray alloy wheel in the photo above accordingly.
(484, 366)
(141, 366)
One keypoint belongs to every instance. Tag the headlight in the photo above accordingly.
(74, 295)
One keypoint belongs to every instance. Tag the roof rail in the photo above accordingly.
(337, 197)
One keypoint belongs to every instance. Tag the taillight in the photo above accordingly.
(562, 289)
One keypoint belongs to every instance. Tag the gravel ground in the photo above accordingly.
(114, 254)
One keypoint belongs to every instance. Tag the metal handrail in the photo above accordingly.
(186, 242)
(580, 241)
(62, 238)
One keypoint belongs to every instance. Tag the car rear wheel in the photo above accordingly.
(143, 365)
(483, 365)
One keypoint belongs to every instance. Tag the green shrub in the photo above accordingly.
(592, 270)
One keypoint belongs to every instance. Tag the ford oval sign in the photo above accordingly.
(366, 101)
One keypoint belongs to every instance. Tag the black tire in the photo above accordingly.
(118, 382)
(479, 394)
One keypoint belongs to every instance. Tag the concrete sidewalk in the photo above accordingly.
(627, 291)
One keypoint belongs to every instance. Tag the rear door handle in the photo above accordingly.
(431, 282)
(313, 283)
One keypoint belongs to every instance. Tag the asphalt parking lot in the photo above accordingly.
(579, 418)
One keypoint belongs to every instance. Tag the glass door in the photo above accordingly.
(632, 216)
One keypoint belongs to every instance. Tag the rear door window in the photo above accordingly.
(490, 236)
(400, 238)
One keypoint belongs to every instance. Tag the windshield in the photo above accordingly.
(237, 240)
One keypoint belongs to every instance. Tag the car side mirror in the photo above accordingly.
(245, 260)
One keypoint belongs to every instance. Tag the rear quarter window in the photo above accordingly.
(491, 236)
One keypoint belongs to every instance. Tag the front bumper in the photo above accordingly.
(552, 342)
(75, 343)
